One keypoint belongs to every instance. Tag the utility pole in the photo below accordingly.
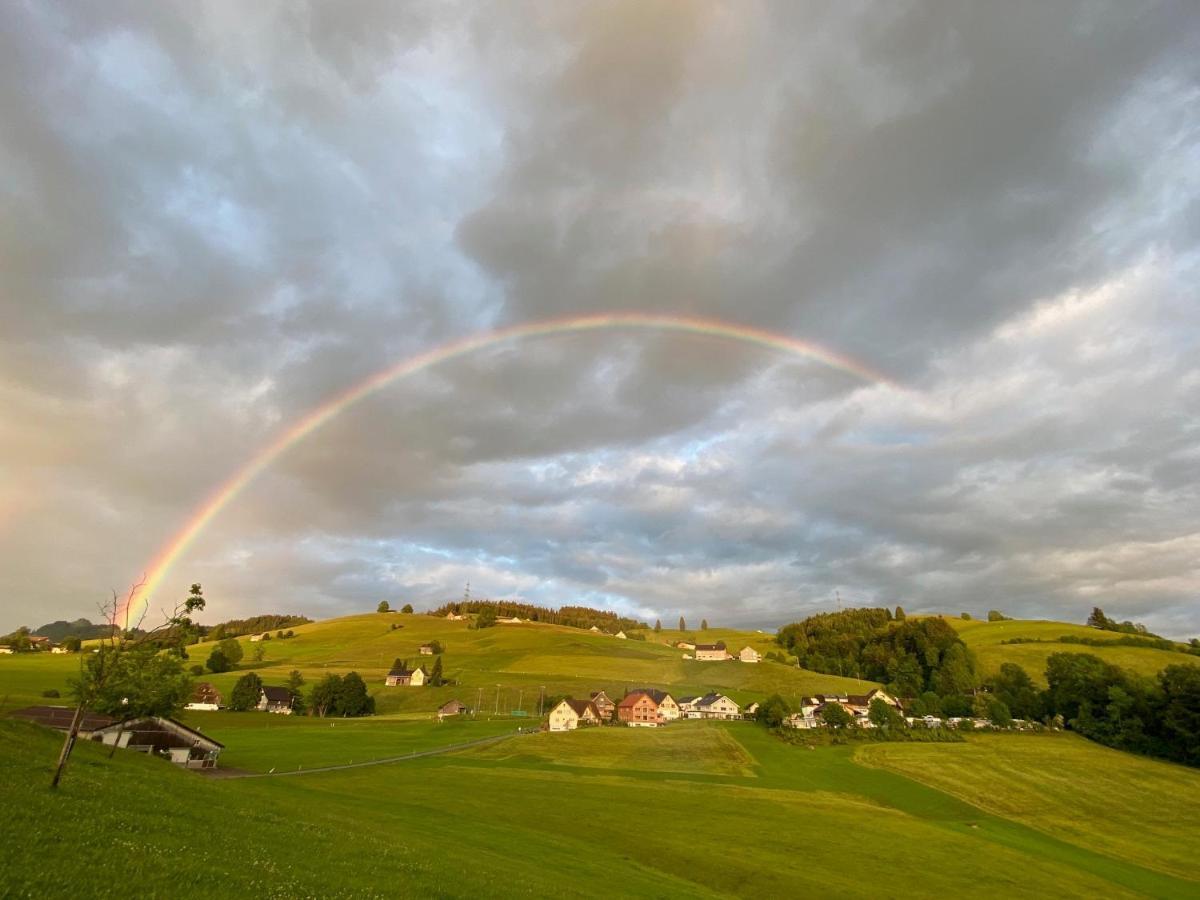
(521, 699)
(478, 701)
(839, 600)
(541, 700)
(497, 699)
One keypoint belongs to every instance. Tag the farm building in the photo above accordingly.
(750, 655)
(639, 709)
(402, 676)
(452, 708)
(426, 649)
(569, 714)
(58, 648)
(594, 629)
(685, 645)
(255, 638)
(205, 697)
(620, 634)
(159, 736)
(509, 620)
(604, 704)
(275, 700)
(712, 652)
(7, 650)
(454, 617)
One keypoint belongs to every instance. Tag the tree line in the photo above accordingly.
(572, 616)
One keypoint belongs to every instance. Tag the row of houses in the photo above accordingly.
(37, 644)
(642, 707)
(272, 699)
(812, 709)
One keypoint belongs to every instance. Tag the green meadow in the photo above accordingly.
(698, 809)
(694, 809)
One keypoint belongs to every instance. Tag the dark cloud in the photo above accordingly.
(216, 217)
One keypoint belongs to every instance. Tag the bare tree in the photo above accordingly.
(123, 636)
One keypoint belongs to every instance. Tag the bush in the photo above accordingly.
(246, 693)
(51, 693)
(406, 608)
(197, 670)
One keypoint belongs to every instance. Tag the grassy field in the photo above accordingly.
(985, 639)
(1125, 806)
(594, 813)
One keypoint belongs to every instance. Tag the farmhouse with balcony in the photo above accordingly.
(569, 714)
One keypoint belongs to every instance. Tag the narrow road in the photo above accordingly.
(417, 754)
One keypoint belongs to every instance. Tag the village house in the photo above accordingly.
(716, 706)
(639, 709)
(402, 676)
(58, 648)
(604, 704)
(205, 697)
(426, 649)
(595, 629)
(275, 700)
(569, 714)
(255, 638)
(750, 711)
(452, 708)
(712, 652)
(668, 707)
(621, 635)
(857, 705)
(160, 736)
(687, 706)
(454, 617)
(750, 655)
(37, 642)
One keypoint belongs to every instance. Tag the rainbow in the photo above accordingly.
(170, 552)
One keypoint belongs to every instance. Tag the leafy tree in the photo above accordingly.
(486, 617)
(956, 672)
(928, 704)
(383, 607)
(435, 677)
(246, 693)
(351, 698)
(999, 713)
(406, 608)
(835, 715)
(966, 616)
(323, 697)
(1180, 716)
(217, 661)
(657, 626)
(232, 649)
(72, 645)
(957, 705)
(883, 715)
(260, 652)
(1016, 689)
(135, 682)
(436, 647)
(773, 711)
(682, 624)
(704, 624)
(197, 670)
(1099, 620)
(295, 681)
(899, 614)
(994, 615)
(50, 692)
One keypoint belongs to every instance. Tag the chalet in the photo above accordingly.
(639, 709)
(59, 718)
(205, 697)
(621, 635)
(569, 714)
(167, 738)
(454, 617)
(750, 655)
(275, 700)
(604, 704)
(712, 652)
(426, 649)
(452, 708)
(402, 676)
(668, 708)
(687, 706)
(716, 706)
(595, 629)
(750, 711)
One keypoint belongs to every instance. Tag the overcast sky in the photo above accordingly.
(213, 216)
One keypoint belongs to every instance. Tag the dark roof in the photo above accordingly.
(582, 706)
(60, 717)
(456, 705)
(161, 733)
(631, 699)
(719, 645)
(277, 694)
(402, 672)
(596, 695)
(710, 698)
(683, 700)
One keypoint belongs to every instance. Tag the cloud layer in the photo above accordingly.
(215, 216)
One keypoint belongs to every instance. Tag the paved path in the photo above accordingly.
(417, 754)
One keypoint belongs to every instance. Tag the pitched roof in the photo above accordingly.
(710, 698)
(630, 700)
(597, 695)
(654, 694)
(404, 672)
(60, 717)
(277, 694)
(719, 645)
(582, 706)
(160, 733)
(456, 705)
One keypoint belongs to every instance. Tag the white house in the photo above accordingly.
(58, 648)
(712, 652)
(595, 629)
(275, 700)
(621, 635)
(205, 698)
(255, 638)
(402, 676)
(716, 706)
(569, 714)
(750, 655)
(7, 650)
